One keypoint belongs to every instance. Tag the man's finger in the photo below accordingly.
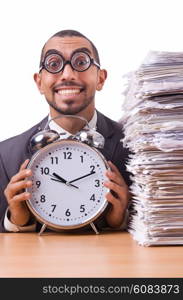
(114, 168)
(112, 176)
(21, 175)
(120, 190)
(21, 197)
(16, 187)
(24, 165)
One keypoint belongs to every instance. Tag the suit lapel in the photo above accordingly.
(103, 126)
(39, 127)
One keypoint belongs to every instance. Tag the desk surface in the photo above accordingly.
(113, 254)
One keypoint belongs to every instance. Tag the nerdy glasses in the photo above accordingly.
(55, 63)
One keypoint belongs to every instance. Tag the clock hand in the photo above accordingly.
(66, 183)
(82, 177)
(60, 179)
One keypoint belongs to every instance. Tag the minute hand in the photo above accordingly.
(82, 177)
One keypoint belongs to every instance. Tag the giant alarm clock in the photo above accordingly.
(67, 175)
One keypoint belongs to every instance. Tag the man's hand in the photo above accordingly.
(16, 195)
(119, 196)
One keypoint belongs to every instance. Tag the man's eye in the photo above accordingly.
(54, 64)
(81, 62)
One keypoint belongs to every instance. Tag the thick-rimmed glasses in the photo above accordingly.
(55, 63)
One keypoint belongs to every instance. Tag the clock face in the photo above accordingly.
(67, 190)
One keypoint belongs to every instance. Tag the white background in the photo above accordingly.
(122, 30)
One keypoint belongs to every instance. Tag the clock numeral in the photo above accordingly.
(67, 155)
(81, 158)
(45, 171)
(42, 199)
(54, 160)
(68, 213)
(38, 183)
(92, 197)
(97, 182)
(82, 208)
(92, 168)
(54, 206)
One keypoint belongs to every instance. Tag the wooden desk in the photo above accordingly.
(74, 255)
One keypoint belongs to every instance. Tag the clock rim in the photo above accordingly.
(67, 227)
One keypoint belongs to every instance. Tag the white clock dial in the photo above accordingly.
(67, 190)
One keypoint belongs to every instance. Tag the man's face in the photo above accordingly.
(70, 91)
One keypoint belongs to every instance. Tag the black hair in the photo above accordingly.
(70, 32)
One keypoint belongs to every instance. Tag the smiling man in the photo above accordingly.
(69, 76)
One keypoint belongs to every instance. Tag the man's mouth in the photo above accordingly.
(68, 91)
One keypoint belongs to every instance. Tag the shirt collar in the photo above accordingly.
(54, 126)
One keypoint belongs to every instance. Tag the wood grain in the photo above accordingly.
(113, 254)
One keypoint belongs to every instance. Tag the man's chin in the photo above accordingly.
(68, 108)
(67, 111)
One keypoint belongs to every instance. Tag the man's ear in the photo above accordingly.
(102, 75)
(37, 79)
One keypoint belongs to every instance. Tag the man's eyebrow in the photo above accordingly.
(52, 51)
(83, 49)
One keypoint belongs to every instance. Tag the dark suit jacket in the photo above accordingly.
(15, 150)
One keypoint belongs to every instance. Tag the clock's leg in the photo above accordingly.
(42, 229)
(94, 227)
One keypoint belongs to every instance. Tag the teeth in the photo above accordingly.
(70, 91)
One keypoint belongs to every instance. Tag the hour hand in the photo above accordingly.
(60, 179)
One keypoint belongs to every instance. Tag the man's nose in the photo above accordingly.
(68, 73)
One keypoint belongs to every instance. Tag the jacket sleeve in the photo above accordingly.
(4, 180)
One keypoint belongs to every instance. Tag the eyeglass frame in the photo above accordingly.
(65, 62)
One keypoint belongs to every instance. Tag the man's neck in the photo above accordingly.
(72, 124)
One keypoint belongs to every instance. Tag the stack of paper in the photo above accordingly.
(153, 123)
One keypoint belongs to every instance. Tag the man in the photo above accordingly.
(69, 87)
